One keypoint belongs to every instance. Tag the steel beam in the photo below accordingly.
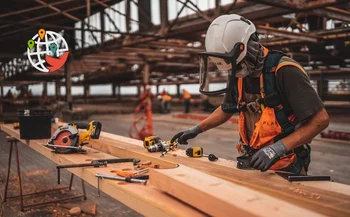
(286, 34)
(333, 13)
(33, 8)
(70, 16)
(177, 15)
(101, 2)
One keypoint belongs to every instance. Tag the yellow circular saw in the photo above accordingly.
(67, 139)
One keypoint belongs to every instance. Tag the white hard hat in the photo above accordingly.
(222, 35)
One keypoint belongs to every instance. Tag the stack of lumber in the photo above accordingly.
(199, 187)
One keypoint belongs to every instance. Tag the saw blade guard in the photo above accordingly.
(65, 136)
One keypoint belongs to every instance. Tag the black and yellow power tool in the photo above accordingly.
(151, 140)
(155, 144)
(198, 152)
(67, 138)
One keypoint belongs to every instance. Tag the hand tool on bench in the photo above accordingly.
(147, 164)
(139, 179)
(95, 163)
(291, 177)
(67, 139)
(131, 174)
(198, 152)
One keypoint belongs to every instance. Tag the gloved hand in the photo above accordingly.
(183, 136)
(268, 156)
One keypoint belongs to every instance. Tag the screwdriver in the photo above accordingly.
(131, 174)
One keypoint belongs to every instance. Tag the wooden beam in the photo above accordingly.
(218, 197)
(322, 200)
(145, 200)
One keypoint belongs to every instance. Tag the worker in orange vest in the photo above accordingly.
(187, 100)
(165, 103)
(279, 111)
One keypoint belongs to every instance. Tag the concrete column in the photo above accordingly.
(114, 85)
(57, 89)
(119, 95)
(146, 73)
(164, 17)
(44, 93)
(178, 90)
(138, 90)
(67, 73)
(86, 92)
(157, 89)
(2, 89)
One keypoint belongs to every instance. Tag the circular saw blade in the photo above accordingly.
(63, 139)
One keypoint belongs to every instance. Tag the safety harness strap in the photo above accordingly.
(271, 97)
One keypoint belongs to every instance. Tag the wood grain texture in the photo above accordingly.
(326, 197)
(218, 197)
(145, 199)
(319, 198)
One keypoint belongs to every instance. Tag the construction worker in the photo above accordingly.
(165, 102)
(279, 111)
(187, 100)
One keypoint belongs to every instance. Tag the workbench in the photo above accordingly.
(214, 188)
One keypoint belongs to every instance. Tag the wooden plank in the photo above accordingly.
(144, 199)
(320, 199)
(218, 197)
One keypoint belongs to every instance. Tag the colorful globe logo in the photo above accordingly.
(47, 51)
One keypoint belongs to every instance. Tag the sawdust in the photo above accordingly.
(37, 173)
(181, 175)
(305, 193)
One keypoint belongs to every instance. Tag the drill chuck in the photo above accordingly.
(158, 147)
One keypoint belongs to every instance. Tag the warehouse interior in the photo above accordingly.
(118, 49)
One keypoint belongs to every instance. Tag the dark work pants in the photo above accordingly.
(187, 105)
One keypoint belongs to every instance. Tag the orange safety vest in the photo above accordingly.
(186, 94)
(267, 127)
(166, 97)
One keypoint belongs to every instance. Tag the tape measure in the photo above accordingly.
(198, 152)
(194, 152)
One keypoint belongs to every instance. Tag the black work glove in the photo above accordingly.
(183, 136)
(268, 156)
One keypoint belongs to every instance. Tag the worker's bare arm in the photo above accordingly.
(217, 118)
(313, 126)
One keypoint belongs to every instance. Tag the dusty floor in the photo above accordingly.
(329, 157)
(39, 173)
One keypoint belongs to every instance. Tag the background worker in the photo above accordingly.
(165, 102)
(187, 100)
(279, 111)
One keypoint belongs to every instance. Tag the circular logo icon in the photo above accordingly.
(47, 51)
